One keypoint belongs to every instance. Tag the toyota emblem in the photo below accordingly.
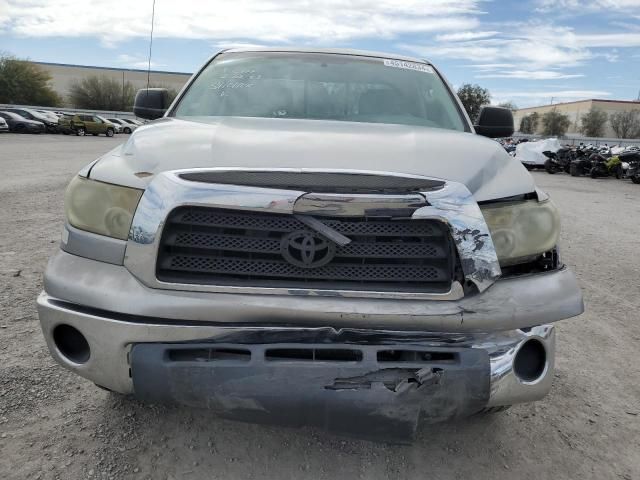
(307, 249)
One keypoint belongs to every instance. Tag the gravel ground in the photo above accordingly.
(54, 425)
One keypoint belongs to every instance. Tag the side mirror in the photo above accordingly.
(151, 103)
(495, 122)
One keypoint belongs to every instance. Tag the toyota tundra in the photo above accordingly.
(311, 237)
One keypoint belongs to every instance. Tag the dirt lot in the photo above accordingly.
(56, 425)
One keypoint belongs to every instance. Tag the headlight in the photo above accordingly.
(523, 230)
(100, 208)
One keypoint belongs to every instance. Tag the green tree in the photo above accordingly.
(102, 93)
(592, 123)
(555, 123)
(473, 97)
(626, 124)
(25, 83)
(529, 123)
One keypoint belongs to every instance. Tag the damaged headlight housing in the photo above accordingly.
(101, 208)
(521, 231)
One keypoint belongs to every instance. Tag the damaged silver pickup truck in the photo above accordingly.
(311, 237)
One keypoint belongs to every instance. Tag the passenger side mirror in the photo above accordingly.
(494, 122)
(151, 103)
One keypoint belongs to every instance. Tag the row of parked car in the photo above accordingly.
(29, 120)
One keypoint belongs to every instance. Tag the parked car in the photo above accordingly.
(4, 126)
(125, 126)
(30, 114)
(19, 124)
(49, 114)
(133, 121)
(81, 124)
(117, 128)
(291, 247)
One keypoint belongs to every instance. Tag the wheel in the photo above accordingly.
(573, 170)
(109, 132)
(80, 131)
(549, 168)
(618, 172)
(635, 179)
(127, 130)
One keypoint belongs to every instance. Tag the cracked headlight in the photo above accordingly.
(100, 208)
(522, 230)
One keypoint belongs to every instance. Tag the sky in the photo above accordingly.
(529, 52)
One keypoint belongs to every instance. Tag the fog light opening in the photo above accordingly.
(531, 361)
(71, 343)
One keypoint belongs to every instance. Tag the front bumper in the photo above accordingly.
(462, 374)
(130, 329)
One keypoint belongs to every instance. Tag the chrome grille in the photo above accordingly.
(211, 246)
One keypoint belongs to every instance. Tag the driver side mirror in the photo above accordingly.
(494, 122)
(151, 103)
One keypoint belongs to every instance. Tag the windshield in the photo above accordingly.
(322, 87)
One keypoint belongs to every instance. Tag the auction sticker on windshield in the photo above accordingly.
(419, 67)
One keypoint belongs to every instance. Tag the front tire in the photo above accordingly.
(127, 130)
(618, 173)
(573, 170)
(109, 132)
(549, 167)
(80, 131)
(635, 179)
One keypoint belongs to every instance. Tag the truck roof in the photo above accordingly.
(338, 51)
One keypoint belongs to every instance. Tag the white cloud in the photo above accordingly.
(234, 44)
(587, 5)
(268, 21)
(464, 36)
(528, 50)
(135, 61)
(530, 75)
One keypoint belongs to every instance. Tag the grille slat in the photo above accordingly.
(287, 223)
(235, 243)
(265, 268)
(214, 246)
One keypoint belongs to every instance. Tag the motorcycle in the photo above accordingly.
(632, 158)
(602, 166)
(580, 160)
(559, 161)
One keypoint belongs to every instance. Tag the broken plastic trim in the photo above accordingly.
(394, 379)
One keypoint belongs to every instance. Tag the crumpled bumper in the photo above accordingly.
(358, 366)
(399, 378)
(507, 305)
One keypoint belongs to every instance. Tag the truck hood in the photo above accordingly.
(170, 144)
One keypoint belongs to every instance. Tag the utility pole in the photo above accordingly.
(123, 105)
